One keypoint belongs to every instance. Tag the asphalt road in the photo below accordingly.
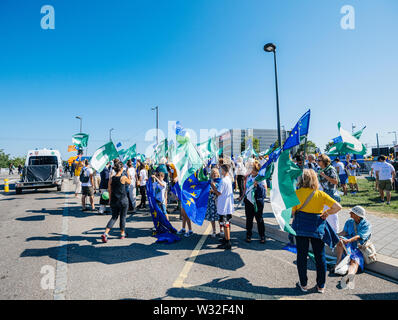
(50, 249)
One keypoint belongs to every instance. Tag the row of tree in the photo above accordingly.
(6, 160)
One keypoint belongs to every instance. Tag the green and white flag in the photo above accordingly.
(103, 155)
(350, 143)
(207, 149)
(127, 154)
(161, 151)
(80, 140)
(283, 192)
(187, 161)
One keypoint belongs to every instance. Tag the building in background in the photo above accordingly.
(231, 140)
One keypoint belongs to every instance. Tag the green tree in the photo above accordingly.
(4, 159)
(256, 144)
(311, 147)
(328, 146)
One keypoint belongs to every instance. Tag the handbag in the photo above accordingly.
(368, 250)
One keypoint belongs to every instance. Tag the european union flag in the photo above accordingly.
(337, 140)
(194, 197)
(164, 230)
(299, 130)
(266, 170)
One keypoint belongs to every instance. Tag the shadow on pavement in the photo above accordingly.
(237, 284)
(103, 254)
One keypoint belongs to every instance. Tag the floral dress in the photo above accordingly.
(211, 211)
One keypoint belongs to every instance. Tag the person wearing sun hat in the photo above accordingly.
(357, 230)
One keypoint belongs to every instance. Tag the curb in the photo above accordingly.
(384, 265)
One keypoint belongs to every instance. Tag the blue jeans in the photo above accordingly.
(318, 246)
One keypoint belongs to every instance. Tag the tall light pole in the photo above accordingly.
(396, 141)
(270, 47)
(157, 124)
(110, 134)
(81, 120)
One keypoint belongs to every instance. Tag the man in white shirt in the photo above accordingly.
(374, 167)
(87, 180)
(385, 173)
(341, 172)
(132, 175)
(225, 204)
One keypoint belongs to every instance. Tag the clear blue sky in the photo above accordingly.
(201, 61)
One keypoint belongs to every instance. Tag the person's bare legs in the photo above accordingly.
(213, 225)
(381, 191)
(92, 202)
(388, 193)
(339, 252)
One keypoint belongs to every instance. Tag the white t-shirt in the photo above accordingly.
(340, 168)
(131, 172)
(225, 201)
(385, 171)
(144, 177)
(375, 165)
(352, 169)
(87, 172)
(240, 169)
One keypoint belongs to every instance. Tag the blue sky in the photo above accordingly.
(201, 61)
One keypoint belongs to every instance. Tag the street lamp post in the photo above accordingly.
(157, 124)
(81, 120)
(396, 141)
(110, 134)
(270, 47)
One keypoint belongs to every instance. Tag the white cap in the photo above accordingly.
(359, 211)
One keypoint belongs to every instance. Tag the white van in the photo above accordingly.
(43, 169)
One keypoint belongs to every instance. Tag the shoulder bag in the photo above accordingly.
(368, 249)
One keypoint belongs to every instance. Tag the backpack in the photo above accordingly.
(83, 177)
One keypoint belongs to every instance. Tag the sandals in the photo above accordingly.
(347, 282)
(262, 240)
(248, 239)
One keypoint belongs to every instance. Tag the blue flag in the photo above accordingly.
(194, 196)
(265, 169)
(164, 230)
(299, 131)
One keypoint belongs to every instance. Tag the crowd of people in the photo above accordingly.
(317, 190)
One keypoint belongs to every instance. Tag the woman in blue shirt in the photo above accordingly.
(357, 230)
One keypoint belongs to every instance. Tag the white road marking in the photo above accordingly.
(184, 273)
(61, 273)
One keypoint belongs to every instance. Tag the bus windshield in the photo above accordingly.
(42, 160)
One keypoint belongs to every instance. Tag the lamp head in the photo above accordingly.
(269, 47)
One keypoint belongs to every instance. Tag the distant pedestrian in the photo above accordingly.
(118, 201)
(240, 175)
(11, 169)
(132, 175)
(76, 180)
(88, 185)
(311, 164)
(105, 174)
(143, 178)
(328, 181)
(352, 170)
(342, 173)
(373, 172)
(385, 173)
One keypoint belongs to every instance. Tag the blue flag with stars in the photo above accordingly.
(164, 230)
(299, 131)
(194, 197)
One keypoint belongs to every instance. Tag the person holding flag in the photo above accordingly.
(254, 203)
(211, 210)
